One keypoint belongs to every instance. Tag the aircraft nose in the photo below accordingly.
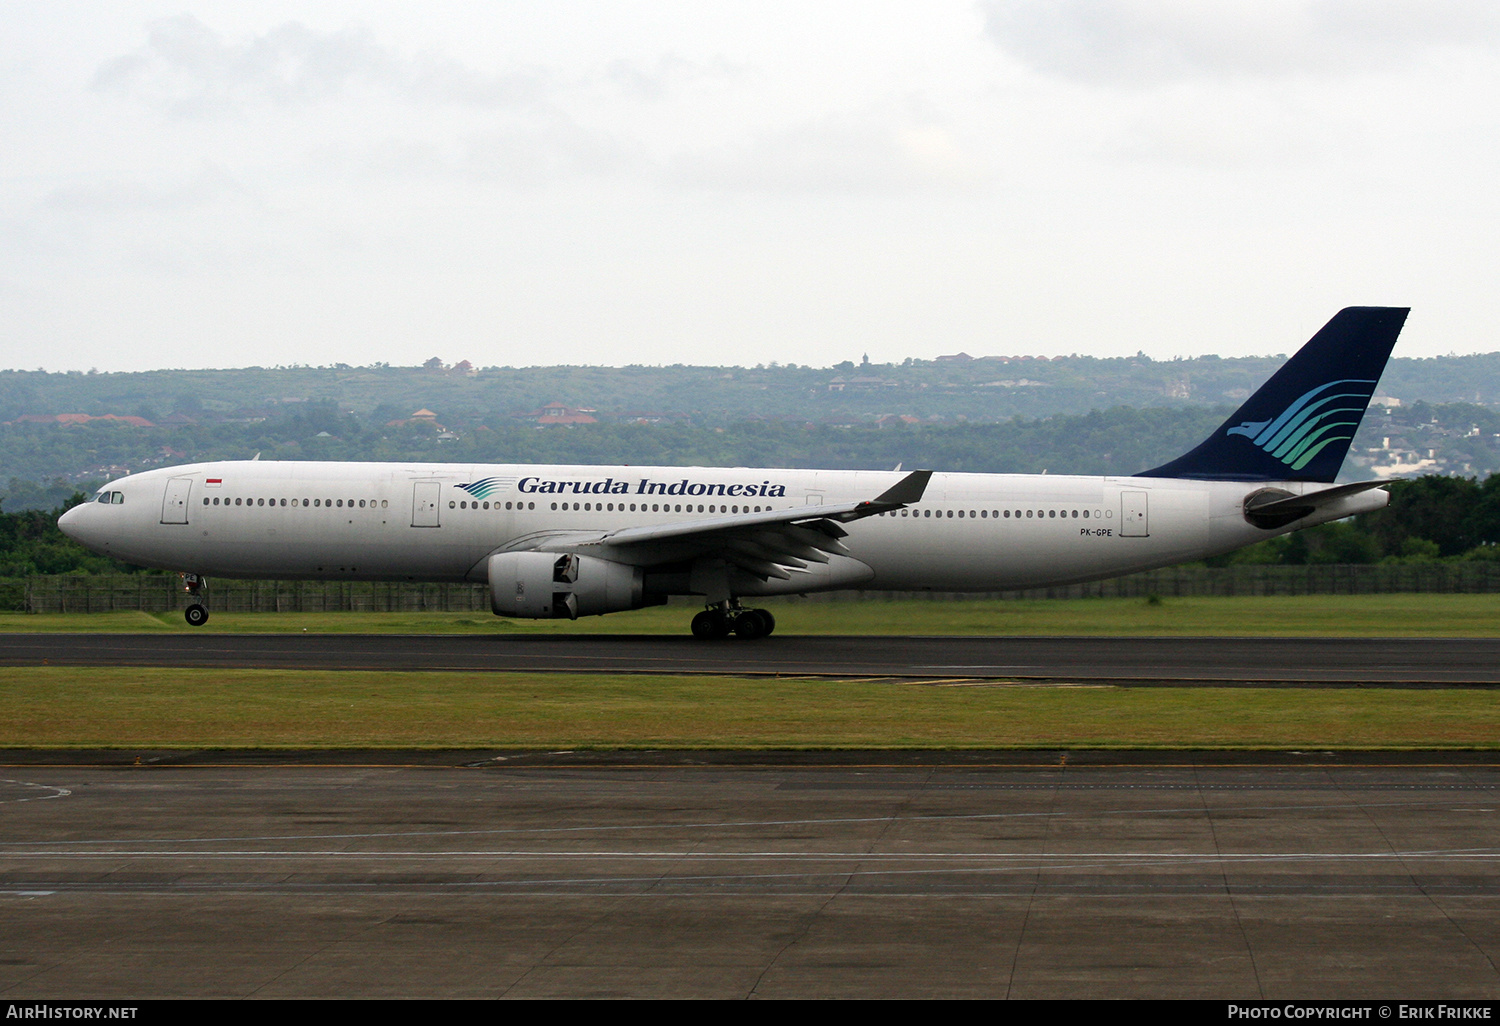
(74, 524)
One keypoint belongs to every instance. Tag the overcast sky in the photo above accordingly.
(225, 184)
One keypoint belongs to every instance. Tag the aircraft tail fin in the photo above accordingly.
(1298, 426)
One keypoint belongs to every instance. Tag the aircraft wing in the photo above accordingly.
(773, 543)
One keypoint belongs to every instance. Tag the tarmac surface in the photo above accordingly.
(1023, 875)
(1405, 662)
(1292, 875)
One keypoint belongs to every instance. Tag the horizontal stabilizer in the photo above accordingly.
(1274, 508)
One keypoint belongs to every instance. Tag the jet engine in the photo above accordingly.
(547, 585)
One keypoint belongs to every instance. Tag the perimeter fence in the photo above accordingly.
(156, 593)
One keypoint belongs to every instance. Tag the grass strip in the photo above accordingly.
(1399, 615)
(145, 708)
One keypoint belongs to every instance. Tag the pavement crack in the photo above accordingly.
(1234, 906)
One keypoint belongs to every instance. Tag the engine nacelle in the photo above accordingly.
(547, 585)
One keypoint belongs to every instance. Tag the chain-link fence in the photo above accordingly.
(156, 593)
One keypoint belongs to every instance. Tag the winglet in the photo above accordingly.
(903, 493)
(906, 491)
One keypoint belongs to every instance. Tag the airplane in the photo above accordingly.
(571, 541)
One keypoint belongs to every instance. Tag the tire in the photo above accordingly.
(196, 615)
(710, 623)
(752, 623)
(770, 621)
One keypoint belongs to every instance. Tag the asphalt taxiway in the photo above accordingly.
(1389, 661)
(1017, 874)
(1035, 876)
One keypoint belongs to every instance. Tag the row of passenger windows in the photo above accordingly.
(997, 514)
(620, 507)
(341, 503)
(466, 504)
(658, 507)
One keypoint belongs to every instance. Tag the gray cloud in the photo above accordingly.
(875, 152)
(1144, 42)
(189, 70)
(211, 184)
(550, 149)
(670, 73)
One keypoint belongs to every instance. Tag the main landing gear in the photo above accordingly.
(722, 621)
(196, 614)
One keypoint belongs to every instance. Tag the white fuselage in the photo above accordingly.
(401, 521)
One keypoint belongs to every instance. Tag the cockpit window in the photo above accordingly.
(111, 497)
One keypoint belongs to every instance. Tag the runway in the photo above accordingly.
(1401, 661)
(1327, 878)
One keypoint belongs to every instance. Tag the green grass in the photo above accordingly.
(143, 708)
(1405, 615)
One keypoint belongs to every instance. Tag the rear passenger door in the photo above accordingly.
(425, 500)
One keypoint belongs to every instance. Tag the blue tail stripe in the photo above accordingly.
(1313, 412)
(1292, 410)
(1310, 456)
(1274, 426)
(1308, 420)
(1312, 439)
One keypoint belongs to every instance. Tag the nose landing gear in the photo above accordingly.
(721, 621)
(196, 614)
